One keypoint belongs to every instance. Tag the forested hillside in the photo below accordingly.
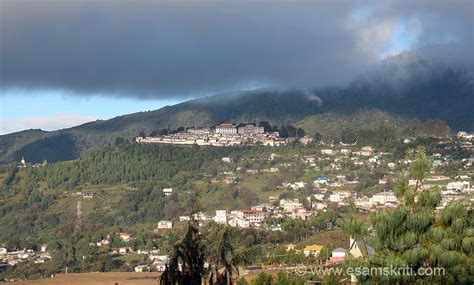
(370, 127)
(40, 203)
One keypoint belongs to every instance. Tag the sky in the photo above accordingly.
(64, 63)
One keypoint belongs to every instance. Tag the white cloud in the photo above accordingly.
(49, 123)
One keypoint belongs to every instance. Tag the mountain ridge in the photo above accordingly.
(401, 88)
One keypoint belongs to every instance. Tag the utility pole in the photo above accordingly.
(78, 228)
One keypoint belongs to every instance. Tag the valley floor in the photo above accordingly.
(100, 278)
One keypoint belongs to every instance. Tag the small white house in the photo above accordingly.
(457, 186)
(240, 222)
(327, 152)
(335, 198)
(3, 251)
(23, 255)
(167, 191)
(226, 160)
(142, 268)
(366, 151)
(126, 237)
(289, 205)
(298, 185)
(345, 151)
(306, 140)
(40, 260)
(343, 193)
(384, 197)
(221, 217)
(339, 254)
(102, 242)
(125, 250)
(165, 225)
(319, 197)
(159, 265)
(320, 206)
(184, 218)
(312, 250)
(321, 181)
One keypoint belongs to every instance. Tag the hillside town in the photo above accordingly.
(338, 187)
(341, 176)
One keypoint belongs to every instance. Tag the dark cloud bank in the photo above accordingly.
(186, 48)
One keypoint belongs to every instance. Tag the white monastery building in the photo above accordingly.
(226, 129)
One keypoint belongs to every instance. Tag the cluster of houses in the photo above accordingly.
(24, 164)
(222, 135)
(335, 189)
(280, 209)
(157, 261)
(242, 218)
(285, 209)
(12, 258)
(355, 249)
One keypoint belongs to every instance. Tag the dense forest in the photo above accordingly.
(35, 202)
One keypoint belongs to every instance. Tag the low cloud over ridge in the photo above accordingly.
(164, 49)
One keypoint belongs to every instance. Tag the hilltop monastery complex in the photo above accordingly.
(222, 135)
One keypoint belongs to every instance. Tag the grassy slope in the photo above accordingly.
(331, 125)
(335, 237)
